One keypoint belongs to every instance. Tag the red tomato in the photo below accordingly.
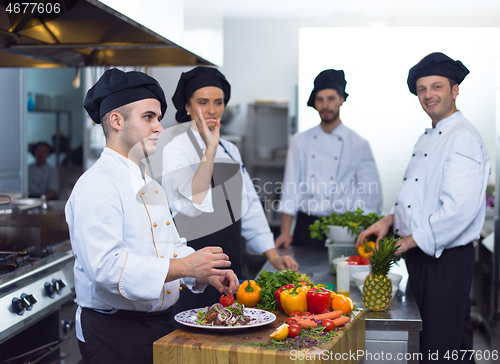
(295, 313)
(328, 324)
(293, 331)
(226, 300)
(364, 261)
(291, 320)
(306, 313)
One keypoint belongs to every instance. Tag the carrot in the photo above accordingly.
(328, 315)
(307, 324)
(341, 321)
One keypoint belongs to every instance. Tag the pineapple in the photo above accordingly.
(377, 288)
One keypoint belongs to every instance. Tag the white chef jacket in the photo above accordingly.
(123, 238)
(442, 201)
(180, 156)
(330, 172)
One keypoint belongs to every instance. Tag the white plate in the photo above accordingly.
(260, 318)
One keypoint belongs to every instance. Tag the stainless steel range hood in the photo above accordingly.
(90, 34)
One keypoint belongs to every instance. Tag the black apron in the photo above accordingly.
(227, 184)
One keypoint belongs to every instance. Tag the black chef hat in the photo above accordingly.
(436, 64)
(116, 88)
(328, 79)
(193, 80)
(32, 147)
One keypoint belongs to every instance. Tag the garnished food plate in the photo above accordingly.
(258, 318)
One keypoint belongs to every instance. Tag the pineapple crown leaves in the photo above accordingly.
(384, 256)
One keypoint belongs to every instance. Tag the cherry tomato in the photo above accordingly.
(328, 324)
(296, 324)
(226, 300)
(290, 320)
(306, 313)
(295, 313)
(293, 331)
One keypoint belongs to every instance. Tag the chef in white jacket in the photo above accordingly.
(329, 168)
(440, 209)
(129, 258)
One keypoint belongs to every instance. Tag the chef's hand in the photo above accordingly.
(281, 262)
(202, 263)
(406, 244)
(210, 137)
(227, 283)
(379, 229)
(283, 240)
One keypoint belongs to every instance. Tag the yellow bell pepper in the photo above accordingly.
(366, 250)
(248, 294)
(294, 299)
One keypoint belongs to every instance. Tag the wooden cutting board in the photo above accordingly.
(193, 346)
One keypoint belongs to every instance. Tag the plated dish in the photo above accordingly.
(259, 318)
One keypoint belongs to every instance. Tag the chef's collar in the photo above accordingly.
(137, 169)
(339, 131)
(446, 122)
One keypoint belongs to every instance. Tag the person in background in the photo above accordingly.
(329, 168)
(42, 178)
(440, 209)
(214, 201)
(129, 259)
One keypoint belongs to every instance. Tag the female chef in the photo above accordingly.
(214, 201)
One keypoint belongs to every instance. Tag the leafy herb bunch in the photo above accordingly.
(354, 220)
(269, 283)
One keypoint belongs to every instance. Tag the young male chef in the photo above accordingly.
(440, 209)
(129, 258)
(329, 168)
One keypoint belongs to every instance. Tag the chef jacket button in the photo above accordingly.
(409, 206)
(313, 155)
(413, 155)
(175, 255)
(404, 179)
(416, 179)
(312, 175)
(440, 132)
(162, 257)
(425, 155)
(331, 178)
(397, 230)
(396, 204)
(425, 133)
(315, 137)
(340, 139)
(168, 223)
(156, 191)
(327, 197)
(142, 192)
(180, 288)
(155, 224)
(335, 158)
(169, 291)
(311, 196)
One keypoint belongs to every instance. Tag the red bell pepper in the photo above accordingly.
(277, 294)
(318, 299)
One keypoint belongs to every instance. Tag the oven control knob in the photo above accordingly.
(67, 326)
(28, 301)
(58, 285)
(50, 289)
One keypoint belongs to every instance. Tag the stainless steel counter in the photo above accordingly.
(392, 335)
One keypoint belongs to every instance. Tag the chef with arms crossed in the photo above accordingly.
(129, 258)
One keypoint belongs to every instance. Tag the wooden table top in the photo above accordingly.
(193, 346)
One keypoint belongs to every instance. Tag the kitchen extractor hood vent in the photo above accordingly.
(90, 34)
